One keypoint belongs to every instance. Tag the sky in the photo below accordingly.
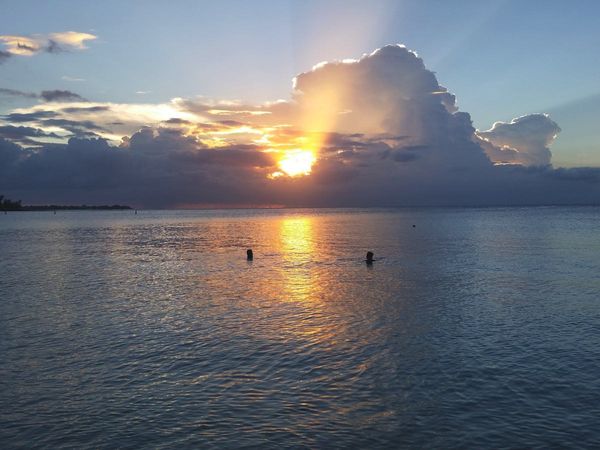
(108, 76)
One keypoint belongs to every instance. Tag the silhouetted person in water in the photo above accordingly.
(249, 254)
(369, 259)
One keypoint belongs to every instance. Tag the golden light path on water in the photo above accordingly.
(304, 283)
(296, 235)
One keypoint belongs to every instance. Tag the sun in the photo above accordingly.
(297, 162)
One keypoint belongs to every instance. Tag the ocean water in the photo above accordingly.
(477, 328)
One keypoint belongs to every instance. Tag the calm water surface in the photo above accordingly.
(478, 328)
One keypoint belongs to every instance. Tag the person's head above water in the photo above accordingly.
(369, 256)
(249, 254)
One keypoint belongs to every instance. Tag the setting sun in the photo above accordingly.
(297, 162)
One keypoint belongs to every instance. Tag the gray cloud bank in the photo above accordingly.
(54, 95)
(389, 135)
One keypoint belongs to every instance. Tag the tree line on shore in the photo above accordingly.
(11, 205)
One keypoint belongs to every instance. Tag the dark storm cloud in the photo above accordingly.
(10, 155)
(404, 156)
(29, 117)
(155, 167)
(160, 168)
(44, 119)
(72, 124)
(235, 156)
(20, 132)
(589, 174)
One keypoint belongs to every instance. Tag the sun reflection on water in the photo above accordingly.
(297, 237)
(297, 248)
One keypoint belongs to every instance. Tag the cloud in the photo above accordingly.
(166, 168)
(54, 123)
(524, 140)
(383, 131)
(92, 169)
(17, 93)
(386, 93)
(58, 95)
(17, 133)
(85, 109)
(74, 79)
(10, 154)
(108, 120)
(55, 95)
(177, 121)
(73, 124)
(4, 55)
(27, 136)
(33, 116)
(20, 45)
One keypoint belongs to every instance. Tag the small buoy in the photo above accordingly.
(369, 259)
(249, 254)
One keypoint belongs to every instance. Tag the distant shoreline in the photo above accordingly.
(283, 208)
(71, 208)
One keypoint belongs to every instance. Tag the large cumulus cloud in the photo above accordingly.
(385, 131)
(391, 92)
